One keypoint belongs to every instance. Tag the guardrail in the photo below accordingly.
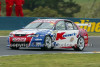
(13, 23)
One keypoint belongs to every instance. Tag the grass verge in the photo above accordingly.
(4, 32)
(51, 60)
(94, 34)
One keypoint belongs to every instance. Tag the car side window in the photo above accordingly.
(75, 27)
(60, 25)
(69, 26)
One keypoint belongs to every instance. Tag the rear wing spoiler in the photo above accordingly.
(87, 24)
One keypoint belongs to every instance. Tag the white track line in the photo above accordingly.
(93, 52)
(3, 36)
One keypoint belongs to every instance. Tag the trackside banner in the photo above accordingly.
(95, 24)
(14, 23)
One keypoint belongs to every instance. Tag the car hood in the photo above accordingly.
(28, 31)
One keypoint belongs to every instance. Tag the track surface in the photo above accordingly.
(94, 45)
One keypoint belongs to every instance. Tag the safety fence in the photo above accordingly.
(14, 23)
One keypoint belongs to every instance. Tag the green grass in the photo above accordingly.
(51, 60)
(94, 34)
(6, 33)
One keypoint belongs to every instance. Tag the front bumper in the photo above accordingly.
(33, 42)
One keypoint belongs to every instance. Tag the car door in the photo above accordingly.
(71, 33)
(66, 34)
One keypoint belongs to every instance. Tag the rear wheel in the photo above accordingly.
(80, 44)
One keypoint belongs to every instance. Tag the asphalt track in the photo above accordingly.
(94, 46)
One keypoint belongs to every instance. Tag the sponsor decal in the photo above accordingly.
(60, 36)
(95, 26)
(19, 39)
(38, 39)
(38, 43)
(63, 35)
(68, 35)
(72, 39)
(64, 45)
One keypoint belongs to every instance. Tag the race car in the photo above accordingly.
(48, 34)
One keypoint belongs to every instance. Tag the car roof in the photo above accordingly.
(48, 20)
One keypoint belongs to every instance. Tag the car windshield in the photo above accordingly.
(39, 25)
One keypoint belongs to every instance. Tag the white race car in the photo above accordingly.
(49, 33)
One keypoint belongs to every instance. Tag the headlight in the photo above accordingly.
(34, 35)
(11, 35)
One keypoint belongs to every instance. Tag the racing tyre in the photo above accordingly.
(80, 44)
(48, 43)
(14, 48)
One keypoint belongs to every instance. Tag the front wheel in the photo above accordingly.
(48, 43)
(80, 44)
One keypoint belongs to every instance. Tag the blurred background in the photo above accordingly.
(59, 8)
(81, 11)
